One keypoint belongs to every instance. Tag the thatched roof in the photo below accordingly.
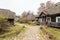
(53, 9)
(7, 13)
(29, 17)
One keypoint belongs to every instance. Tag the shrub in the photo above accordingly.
(41, 27)
(3, 23)
(23, 26)
(20, 21)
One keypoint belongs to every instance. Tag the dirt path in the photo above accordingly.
(32, 34)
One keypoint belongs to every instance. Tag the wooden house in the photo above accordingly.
(41, 19)
(50, 16)
(9, 15)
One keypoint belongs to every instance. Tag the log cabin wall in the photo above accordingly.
(53, 18)
(53, 22)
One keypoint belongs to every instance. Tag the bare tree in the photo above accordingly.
(49, 4)
(44, 6)
(24, 14)
(41, 8)
(28, 16)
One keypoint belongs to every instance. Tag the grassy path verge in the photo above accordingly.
(14, 31)
(54, 32)
(43, 34)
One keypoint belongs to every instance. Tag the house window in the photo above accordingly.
(58, 19)
(48, 19)
(40, 19)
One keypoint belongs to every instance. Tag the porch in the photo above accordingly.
(53, 24)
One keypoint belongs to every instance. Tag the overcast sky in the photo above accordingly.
(19, 6)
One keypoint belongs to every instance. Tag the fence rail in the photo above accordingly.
(54, 24)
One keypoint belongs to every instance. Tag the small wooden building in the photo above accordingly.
(50, 16)
(9, 15)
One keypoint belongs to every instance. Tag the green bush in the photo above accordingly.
(20, 21)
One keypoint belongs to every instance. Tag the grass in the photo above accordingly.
(14, 30)
(53, 31)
